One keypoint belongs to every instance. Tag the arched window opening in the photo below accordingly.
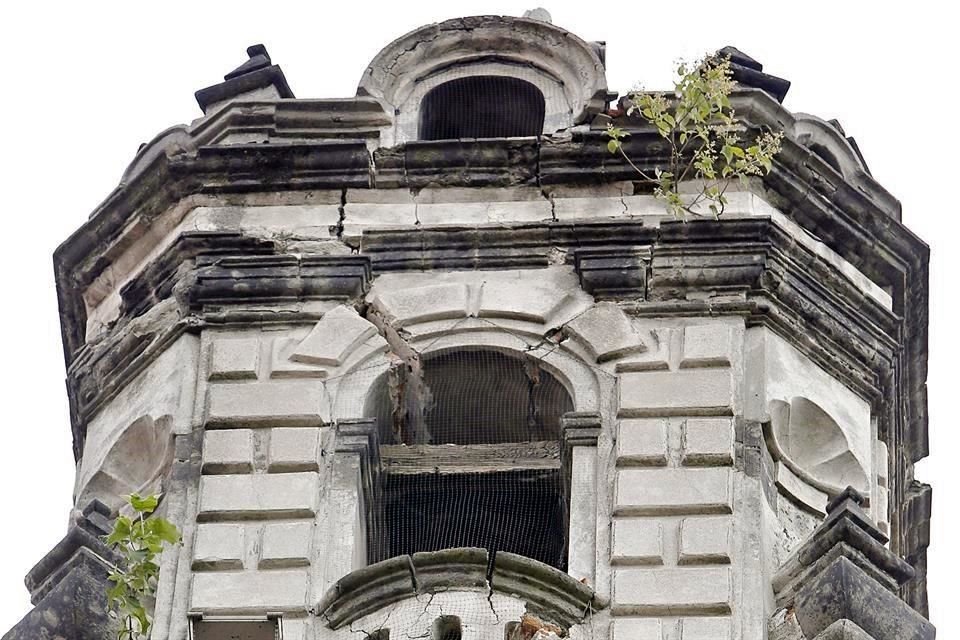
(482, 107)
(467, 398)
(470, 450)
(446, 628)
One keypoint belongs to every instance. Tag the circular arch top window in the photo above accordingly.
(482, 107)
(471, 397)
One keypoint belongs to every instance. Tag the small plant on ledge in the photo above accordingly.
(140, 541)
(702, 134)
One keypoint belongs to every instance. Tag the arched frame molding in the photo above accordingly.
(536, 51)
(351, 392)
(572, 361)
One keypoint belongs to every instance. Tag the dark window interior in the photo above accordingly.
(520, 512)
(472, 397)
(446, 628)
(482, 107)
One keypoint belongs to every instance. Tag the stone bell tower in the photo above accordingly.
(429, 362)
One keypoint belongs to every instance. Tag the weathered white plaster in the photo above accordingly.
(129, 443)
(822, 430)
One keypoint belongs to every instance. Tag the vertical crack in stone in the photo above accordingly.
(543, 191)
(342, 211)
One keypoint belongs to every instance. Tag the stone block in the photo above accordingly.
(635, 629)
(707, 345)
(282, 495)
(698, 391)
(419, 304)
(286, 544)
(234, 358)
(519, 300)
(377, 208)
(637, 541)
(219, 546)
(671, 591)
(301, 220)
(707, 441)
(332, 339)
(281, 366)
(705, 629)
(535, 209)
(250, 591)
(294, 449)
(642, 441)
(445, 205)
(296, 629)
(705, 540)
(607, 332)
(673, 491)
(279, 403)
(228, 451)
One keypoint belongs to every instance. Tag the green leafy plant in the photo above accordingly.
(703, 137)
(140, 541)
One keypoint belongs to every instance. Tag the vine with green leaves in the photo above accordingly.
(703, 136)
(140, 540)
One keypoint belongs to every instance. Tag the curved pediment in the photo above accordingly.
(532, 586)
(566, 70)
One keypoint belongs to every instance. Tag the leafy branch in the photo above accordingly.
(702, 132)
(140, 540)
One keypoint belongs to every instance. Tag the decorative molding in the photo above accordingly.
(277, 279)
(289, 121)
(362, 438)
(549, 593)
(573, 64)
(613, 273)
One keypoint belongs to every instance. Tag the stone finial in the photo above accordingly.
(256, 79)
(540, 14)
(843, 571)
(851, 494)
(749, 73)
(259, 59)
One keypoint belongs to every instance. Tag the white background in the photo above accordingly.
(82, 84)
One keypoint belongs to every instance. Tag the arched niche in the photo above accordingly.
(813, 445)
(565, 69)
(137, 462)
(828, 144)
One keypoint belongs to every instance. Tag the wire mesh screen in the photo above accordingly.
(482, 107)
(470, 446)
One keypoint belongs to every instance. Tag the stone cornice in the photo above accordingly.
(286, 121)
(748, 267)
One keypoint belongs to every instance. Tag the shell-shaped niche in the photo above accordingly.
(814, 446)
(136, 463)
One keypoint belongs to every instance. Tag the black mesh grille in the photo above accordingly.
(482, 107)
(519, 511)
(471, 456)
